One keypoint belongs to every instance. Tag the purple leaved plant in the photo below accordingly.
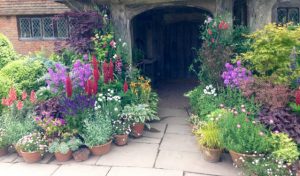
(234, 75)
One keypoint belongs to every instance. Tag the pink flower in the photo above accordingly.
(20, 105)
(209, 31)
(238, 126)
(32, 97)
(24, 95)
(113, 44)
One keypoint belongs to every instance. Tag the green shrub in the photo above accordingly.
(24, 73)
(209, 135)
(269, 55)
(242, 135)
(5, 83)
(7, 52)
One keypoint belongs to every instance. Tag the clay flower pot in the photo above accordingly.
(3, 151)
(211, 155)
(121, 140)
(137, 130)
(31, 157)
(101, 149)
(63, 157)
(238, 158)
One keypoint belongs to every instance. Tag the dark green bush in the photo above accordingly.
(24, 73)
(7, 52)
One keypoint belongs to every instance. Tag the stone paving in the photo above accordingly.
(168, 150)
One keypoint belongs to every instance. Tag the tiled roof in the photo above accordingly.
(31, 7)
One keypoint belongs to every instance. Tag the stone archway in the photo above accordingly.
(167, 36)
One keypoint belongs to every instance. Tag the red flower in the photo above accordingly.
(225, 26)
(32, 97)
(12, 94)
(95, 62)
(105, 72)
(24, 95)
(111, 71)
(89, 87)
(297, 97)
(221, 25)
(95, 87)
(125, 87)
(5, 102)
(96, 74)
(209, 31)
(20, 105)
(69, 86)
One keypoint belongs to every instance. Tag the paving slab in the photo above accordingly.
(177, 142)
(175, 120)
(179, 129)
(193, 174)
(80, 170)
(133, 154)
(193, 162)
(131, 171)
(146, 140)
(158, 130)
(23, 169)
(172, 112)
(9, 158)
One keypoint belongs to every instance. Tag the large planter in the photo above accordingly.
(63, 157)
(3, 151)
(31, 157)
(101, 149)
(238, 158)
(211, 155)
(137, 129)
(121, 140)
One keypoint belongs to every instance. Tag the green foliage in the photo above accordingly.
(97, 132)
(265, 166)
(242, 135)
(66, 57)
(240, 41)
(269, 55)
(284, 148)
(295, 108)
(4, 142)
(24, 73)
(203, 104)
(209, 135)
(7, 52)
(139, 113)
(6, 84)
(65, 145)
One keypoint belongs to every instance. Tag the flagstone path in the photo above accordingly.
(168, 149)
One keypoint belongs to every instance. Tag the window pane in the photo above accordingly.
(25, 27)
(294, 15)
(282, 15)
(36, 27)
(62, 28)
(48, 31)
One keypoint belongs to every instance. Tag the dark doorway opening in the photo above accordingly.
(165, 40)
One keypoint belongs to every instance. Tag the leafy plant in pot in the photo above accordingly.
(63, 148)
(121, 130)
(32, 147)
(97, 135)
(243, 138)
(138, 115)
(4, 142)
(209, 139)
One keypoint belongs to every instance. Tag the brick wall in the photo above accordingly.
(8, 26)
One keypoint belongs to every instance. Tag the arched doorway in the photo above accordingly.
(164, 40)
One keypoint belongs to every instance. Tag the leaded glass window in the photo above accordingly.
(43, 27)
(287, 14)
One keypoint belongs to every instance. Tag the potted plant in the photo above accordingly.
(138, 115)
(121, 129)
(63, 148)
(210, 142)
(32, 147)
(4, 142)
(97, 135)
(244, 138)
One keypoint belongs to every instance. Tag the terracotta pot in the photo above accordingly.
(211, 155)
(3, 151)
(121, 140)
(137, 130)
(101, 149)
(238, 158)
(81, 155)
(31, 157)
(63, 157)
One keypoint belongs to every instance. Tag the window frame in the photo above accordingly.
(288, 13)
(42, 38)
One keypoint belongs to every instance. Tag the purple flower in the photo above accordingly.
(85, 57)
(234, 75)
